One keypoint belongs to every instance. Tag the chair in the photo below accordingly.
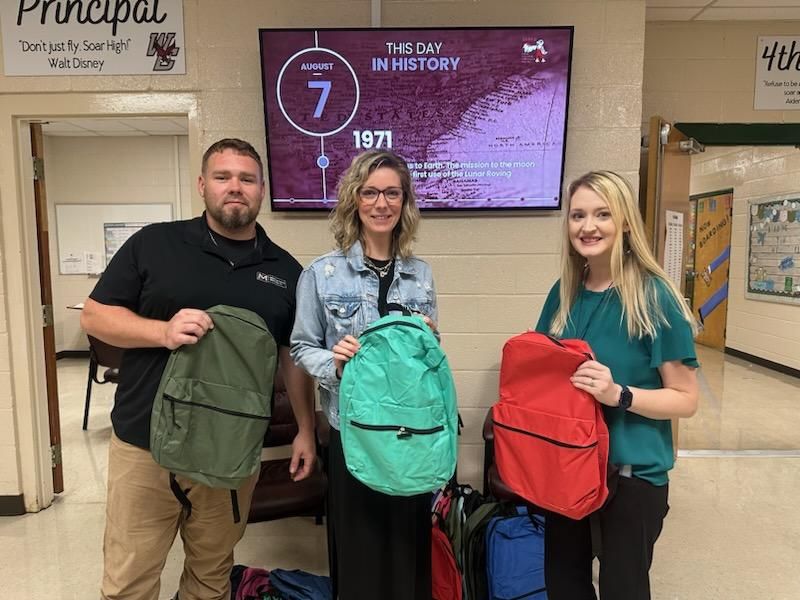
(276, 496)
(105, 355)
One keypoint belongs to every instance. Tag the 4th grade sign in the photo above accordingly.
(777, 84)
(93, 37)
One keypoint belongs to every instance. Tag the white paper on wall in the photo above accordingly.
(94, 262)
(72, 264)
(673, 247)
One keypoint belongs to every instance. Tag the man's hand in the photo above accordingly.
(304, 453)
(186, 327)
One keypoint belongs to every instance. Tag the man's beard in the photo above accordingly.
(232, 219)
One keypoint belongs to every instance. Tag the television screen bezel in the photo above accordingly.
(288, 209)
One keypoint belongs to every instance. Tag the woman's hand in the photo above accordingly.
(595, 378)
(343, 351)
(430, 323)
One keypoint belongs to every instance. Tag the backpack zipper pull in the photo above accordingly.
(403, 433)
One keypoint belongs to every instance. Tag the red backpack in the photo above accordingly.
(550, 438)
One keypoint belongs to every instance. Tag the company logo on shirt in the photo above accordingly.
(271, 279)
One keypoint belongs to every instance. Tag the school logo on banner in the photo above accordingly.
(92, 37)
(162, 46)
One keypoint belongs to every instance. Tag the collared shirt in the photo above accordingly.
(169, 266)
(337, 295)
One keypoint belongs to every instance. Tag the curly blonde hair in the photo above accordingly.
(345, 222)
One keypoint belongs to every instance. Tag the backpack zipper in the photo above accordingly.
(402, 430)
(546, 439)
(256, 325)
(226, 411)
(383, 325)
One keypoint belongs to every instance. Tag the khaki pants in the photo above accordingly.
(142, 518)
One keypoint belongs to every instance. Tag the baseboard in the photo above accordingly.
(763, 362)
(72, 354)
(12, 505)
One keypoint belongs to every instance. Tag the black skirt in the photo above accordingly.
(380, 545)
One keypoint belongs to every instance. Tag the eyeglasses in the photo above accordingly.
(392, 195)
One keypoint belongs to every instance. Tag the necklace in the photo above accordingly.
(213, 239)
(381, 271)
(582, 335)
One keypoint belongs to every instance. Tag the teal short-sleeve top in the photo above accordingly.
(596, 317)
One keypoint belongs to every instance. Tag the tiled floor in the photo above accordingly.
(732, 532)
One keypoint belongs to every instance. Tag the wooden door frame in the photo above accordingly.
(46, 290)
(31, 446)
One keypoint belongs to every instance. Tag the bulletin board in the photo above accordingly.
(773, 265)
(90, 234)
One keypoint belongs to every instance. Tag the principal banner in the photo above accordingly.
(777, 82)
(93, 37)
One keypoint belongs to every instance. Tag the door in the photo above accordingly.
(665, 174)
(43, 243)
(712, 250)
(665, 184)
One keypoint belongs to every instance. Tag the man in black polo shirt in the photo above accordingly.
(152, 299)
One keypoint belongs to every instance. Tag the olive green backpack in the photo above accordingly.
(212, 407)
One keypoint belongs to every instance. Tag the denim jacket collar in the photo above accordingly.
(355, 257)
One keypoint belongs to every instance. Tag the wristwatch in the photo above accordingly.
(625, 397)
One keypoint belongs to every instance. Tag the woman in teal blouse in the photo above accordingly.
(613, 294)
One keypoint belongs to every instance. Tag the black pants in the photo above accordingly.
(381, 544)
(630, 524)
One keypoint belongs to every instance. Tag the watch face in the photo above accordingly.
(625, 398)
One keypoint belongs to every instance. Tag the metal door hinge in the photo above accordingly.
(55, 455)
(663, 134)
(691, 146)
(47, 315)
(38, 168)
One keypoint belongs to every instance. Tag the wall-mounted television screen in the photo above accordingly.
(479, 114)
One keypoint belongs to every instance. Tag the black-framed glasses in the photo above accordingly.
(392, 195)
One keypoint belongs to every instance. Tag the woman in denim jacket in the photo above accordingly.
(381, 543)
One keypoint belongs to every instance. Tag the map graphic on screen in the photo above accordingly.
(479, 114)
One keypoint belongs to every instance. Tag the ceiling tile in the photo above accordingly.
(163, 126)
(750, 14)
(670, 14)
(54, 127)
(678, 3)
(129, 133)
(756, 3)
(110, 126)
(76, 133)
(102, 125)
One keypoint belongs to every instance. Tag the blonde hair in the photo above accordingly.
(634, 269)
(345, 223)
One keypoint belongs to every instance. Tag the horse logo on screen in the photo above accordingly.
(162, 46)
(534, 50)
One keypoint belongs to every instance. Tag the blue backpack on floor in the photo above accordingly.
(299, 585)
(515, 557)
(397, 409)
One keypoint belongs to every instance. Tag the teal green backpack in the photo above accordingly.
(397, 409)
(212, 406)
